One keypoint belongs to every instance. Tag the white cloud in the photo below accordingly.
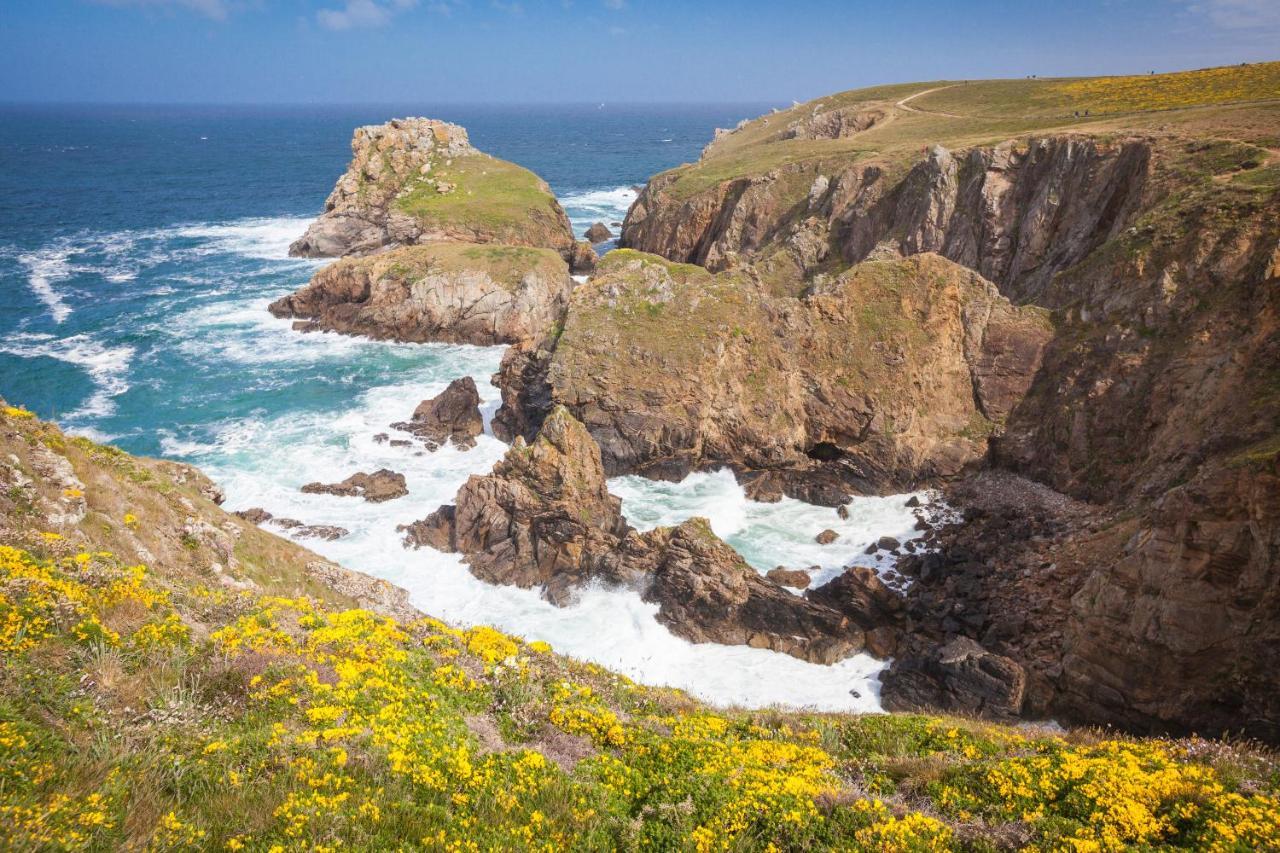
(363, 13)
(215, 9)
(1239, 14)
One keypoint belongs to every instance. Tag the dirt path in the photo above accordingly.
(903, 103)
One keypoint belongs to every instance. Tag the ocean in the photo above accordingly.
(139, 248)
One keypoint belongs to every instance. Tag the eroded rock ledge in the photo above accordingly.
(446, 292)
(892, 374)
(544, 518)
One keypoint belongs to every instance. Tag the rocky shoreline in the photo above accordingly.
(1073, 334)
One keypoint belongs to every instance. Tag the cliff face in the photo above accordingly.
(892, 374)
(1153, 241)
(450, 292)
(419, 180)
(1017, 213)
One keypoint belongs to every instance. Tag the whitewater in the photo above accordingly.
(264, 409)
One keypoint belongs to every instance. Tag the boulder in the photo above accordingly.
(826, 537)
(598, 233)
(382, 485)
(860, 594)
(438, 530)
(452, 416)
(706, 592)
(958, 677)
(794, 578)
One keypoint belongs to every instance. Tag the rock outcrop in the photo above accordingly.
(382, 485)
(418, 180)
(451, 416)
(961, 676)
(890, 375)
(448, 292)
(544, 518)
(598, 233)
(1152, 242)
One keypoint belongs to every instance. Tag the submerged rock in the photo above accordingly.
(382, 485)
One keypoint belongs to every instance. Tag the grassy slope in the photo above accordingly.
(158, 707)
(489, 194)
(505, 265)
(1241, 103)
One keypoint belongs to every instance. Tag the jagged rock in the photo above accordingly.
(584, 259)
(809, 398)
(707, 593)
(826, 537)
(438, 530)
(254, 515)
(328, 532)
(959, 677)
(382, 485)
(860, 594)
(448, 292)
(598, 233)
(794, 578)
(544, 518)
(451, 416)
(418, 180)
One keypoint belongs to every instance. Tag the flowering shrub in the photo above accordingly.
(288, 725)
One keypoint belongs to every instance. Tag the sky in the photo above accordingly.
(560, 51)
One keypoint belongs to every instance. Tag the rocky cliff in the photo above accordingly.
(453, 292)
(892, 374)
(418, 180)
(1150, 237)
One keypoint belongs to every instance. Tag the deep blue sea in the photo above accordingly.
(139, 248)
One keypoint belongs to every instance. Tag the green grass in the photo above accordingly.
(961, 114)
(489, 195)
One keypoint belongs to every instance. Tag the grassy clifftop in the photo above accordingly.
(1237, 102)
(249, 707)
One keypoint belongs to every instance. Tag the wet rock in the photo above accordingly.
(826, 537)
(254, 515)
(598, 233)
(887, 543)
(794, 578)
(452, 416)
(544, 518)
(382, 485)
(859, 593)
(707, 593)
(437, 530)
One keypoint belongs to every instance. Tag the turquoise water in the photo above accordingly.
(139, 249)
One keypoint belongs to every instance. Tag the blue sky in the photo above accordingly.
(381, 51)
